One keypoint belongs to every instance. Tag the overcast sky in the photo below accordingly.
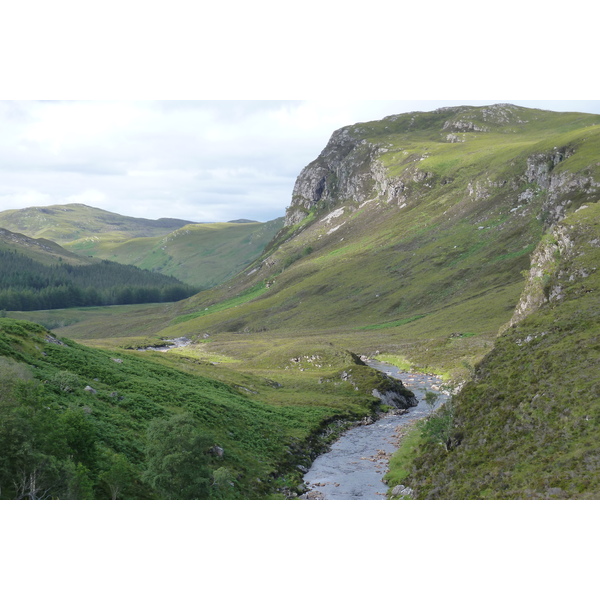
(195, 160)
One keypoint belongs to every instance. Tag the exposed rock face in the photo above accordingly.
(342, 171)
(350, 168)
(394, 394)
(546, 278)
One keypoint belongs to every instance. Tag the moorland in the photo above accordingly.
(462, 242)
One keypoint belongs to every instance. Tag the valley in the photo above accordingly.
(461, 242)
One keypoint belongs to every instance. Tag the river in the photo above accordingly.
(356, 463)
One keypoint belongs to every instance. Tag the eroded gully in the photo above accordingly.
(356, 463)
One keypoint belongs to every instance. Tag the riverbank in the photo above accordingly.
(357, 463)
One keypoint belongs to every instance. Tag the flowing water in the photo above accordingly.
(354, 466)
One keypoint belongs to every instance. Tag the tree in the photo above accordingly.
(34, 455)
(437, 429)
(177, 458)
(119, 476)
(430, 400)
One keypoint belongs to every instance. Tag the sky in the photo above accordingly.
(202, 161)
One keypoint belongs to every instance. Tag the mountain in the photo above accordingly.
(462, 241)
(410, 235)
(69, 222)
(201, 255)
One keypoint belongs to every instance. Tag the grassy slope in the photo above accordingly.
(65, 223)
(254, 418)
(40, 250)
(199, 254)
(431, 281)
(528, 424)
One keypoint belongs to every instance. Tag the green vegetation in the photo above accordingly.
(414, 245)
(90, 423)
(26, 284)
(527, 425)
(201, 255)
(69, 222)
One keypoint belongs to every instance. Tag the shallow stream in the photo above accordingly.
(354, 466)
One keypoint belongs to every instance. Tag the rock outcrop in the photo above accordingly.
(393, 393)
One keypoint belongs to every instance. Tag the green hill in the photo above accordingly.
(39, 274)
(69, 222)
(421, 236)
(202, 255)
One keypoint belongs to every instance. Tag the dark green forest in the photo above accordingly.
(26, 284)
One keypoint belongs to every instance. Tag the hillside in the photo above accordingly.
(41, 250)
(83, 423)
(423, 237)
(69, 222)
(410, 234)
(202, 255)
(37, 274)
(527, 426)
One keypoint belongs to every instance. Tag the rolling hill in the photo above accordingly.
(38, 274)
(462, 241)
(68, 222)
(202, 255)
(199, 254)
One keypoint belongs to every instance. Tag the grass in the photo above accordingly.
(401, 461)
(427, 281)
(248, 296)
(205, 254)
(527, 424)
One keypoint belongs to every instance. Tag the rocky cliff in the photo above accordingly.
(418, 226)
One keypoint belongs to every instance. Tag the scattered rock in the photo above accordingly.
(52, 340)
(89, 389)
(403, 491)
(312, 495)
(217, 451)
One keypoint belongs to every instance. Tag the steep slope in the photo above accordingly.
(41, 250)
(69, 222)
(202, 255)
(527, 426)
(80, 423)
(416, 227)
(39, 274)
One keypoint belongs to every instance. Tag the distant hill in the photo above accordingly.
(69, 222)
(201, 255)
(41, 250)
(38, 274)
